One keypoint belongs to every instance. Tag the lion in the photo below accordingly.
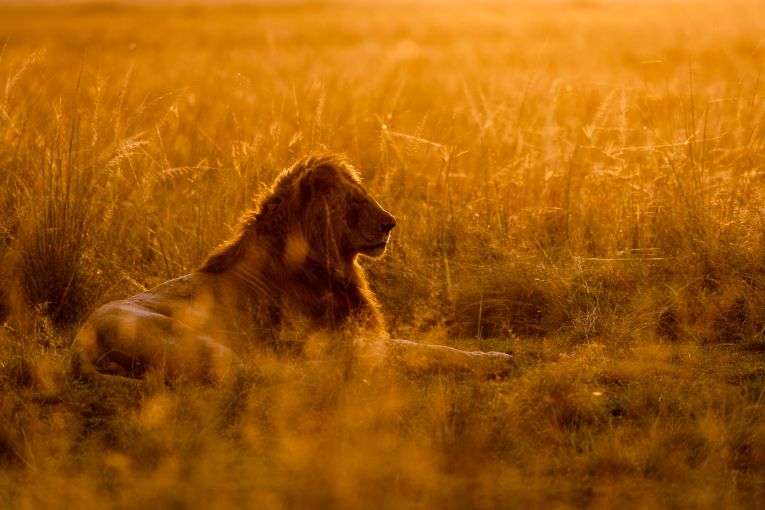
(290, 264)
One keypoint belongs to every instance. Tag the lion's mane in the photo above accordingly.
(326, 286)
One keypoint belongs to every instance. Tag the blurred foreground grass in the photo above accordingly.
(578, 183)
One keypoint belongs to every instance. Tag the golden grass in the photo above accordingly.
(579, 183)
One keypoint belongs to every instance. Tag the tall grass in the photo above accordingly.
(579, 184)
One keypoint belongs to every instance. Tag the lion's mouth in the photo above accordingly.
(375, 247)
(374, 250)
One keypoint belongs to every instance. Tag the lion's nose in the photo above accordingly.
(388, 225)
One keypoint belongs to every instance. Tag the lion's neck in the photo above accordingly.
(330, 298)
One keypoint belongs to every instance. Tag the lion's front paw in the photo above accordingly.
(496, 364)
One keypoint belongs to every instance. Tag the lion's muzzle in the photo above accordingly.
(388, 225)
(376, 245)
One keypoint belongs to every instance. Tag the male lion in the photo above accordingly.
(290, 264)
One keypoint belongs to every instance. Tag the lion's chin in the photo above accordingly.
(374, 250)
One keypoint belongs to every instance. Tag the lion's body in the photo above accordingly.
(191, 326)
(290, 266)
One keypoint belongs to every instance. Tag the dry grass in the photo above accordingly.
(578, 183)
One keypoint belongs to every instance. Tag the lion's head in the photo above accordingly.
(339, 216)
(318, 209)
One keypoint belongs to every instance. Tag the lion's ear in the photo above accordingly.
(319, 181)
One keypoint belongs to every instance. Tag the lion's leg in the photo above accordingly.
(211, 361)
(425, 357)
(183, 353)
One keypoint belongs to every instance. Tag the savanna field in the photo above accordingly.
(580, 184)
